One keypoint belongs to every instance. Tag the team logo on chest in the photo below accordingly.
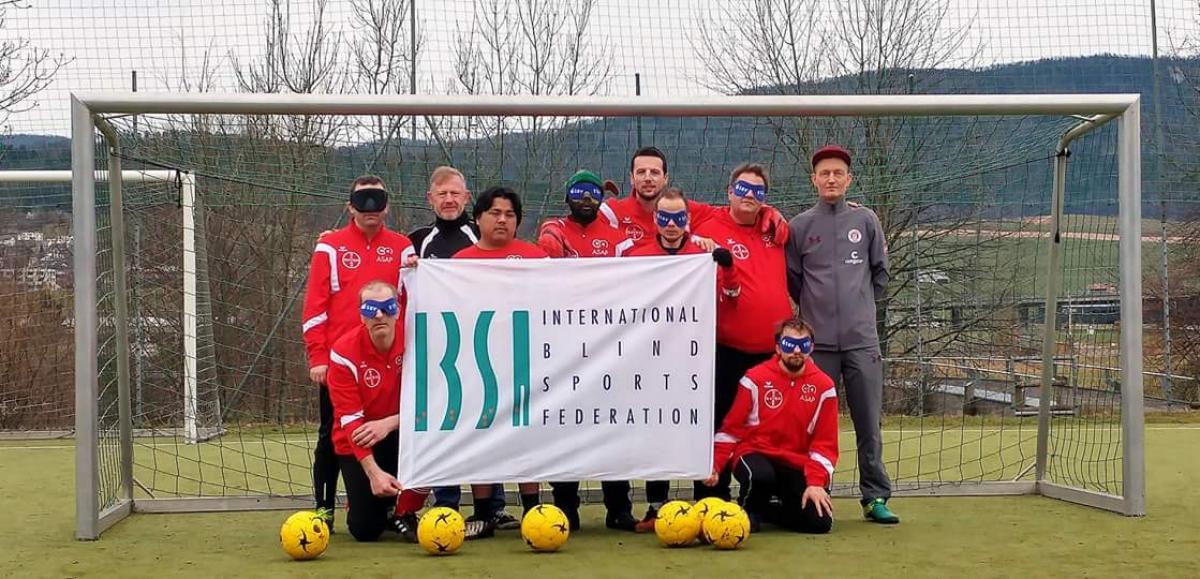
(371, 378)
(738, 250)
(351, 260)
(808, 393)
(634, 232)
(773, 398)
(854, 236)
(513, 257)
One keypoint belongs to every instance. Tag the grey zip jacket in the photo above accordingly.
(837, 268)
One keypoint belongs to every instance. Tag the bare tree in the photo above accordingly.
(25, 70)
(526, 47)
(867, 47)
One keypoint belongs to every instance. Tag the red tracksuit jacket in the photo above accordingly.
(748, 323)
(791, 420)
(515, 249)
(727, 277)
(596, 239)
(364, 385)
(342, 263)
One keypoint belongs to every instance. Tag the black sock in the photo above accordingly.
(484, 509)
(528, 501)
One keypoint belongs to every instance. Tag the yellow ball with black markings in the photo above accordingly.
(545, 528)
(441, 531)
(304, 536)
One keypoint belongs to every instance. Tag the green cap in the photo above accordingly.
(584, 177)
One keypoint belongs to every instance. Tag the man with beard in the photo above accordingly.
(581, 234)
(780, 438)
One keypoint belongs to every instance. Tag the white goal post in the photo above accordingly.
(88, 113)
(187, 191)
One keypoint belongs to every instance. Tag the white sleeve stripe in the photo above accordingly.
(404, 254)
(747, 383)
(347, 419)
(623, 247)
(339, 359)
(723, 437)
(610, 215)
(466, 229)
(825, 462)
(826, 395)
(433, 231)
(315, 321)
(334, 286)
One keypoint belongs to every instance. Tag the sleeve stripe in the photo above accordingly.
(466, 229)
(723, 437)
(337, 358)
(404, 255)
(315, 321)
(623, 247)
(610, 215)
(747, 383)
(830, 393)
(334, 285)
(347, 419)
(822, 461)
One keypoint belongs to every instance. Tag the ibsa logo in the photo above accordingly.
(450, 369)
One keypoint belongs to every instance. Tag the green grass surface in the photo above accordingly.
(940, 537)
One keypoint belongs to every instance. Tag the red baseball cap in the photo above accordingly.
(831, 151)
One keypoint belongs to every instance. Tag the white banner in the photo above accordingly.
(542, 370)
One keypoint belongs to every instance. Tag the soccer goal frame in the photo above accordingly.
(186, 183)
(1092, 111)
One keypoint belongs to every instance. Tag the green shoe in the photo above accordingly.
(878, 511)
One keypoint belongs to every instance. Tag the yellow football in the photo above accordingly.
(441, 531)
(677, 524)
(304, 536)
(545, 528)
(727, 527)
(704, 507)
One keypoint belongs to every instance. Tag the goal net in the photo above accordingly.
(1012, 357)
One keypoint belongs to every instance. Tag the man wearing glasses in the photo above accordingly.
(342, 263)
(837, 269)
(364, 385)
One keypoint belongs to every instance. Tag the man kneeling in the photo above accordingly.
(364, 386)
(780, 438)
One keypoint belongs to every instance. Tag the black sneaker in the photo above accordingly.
(405, 526)
(479, 528)
(505, 521)
(620, 521)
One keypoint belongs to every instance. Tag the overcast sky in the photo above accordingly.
(164, 40)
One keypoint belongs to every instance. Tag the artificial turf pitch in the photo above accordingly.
(940, 537)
